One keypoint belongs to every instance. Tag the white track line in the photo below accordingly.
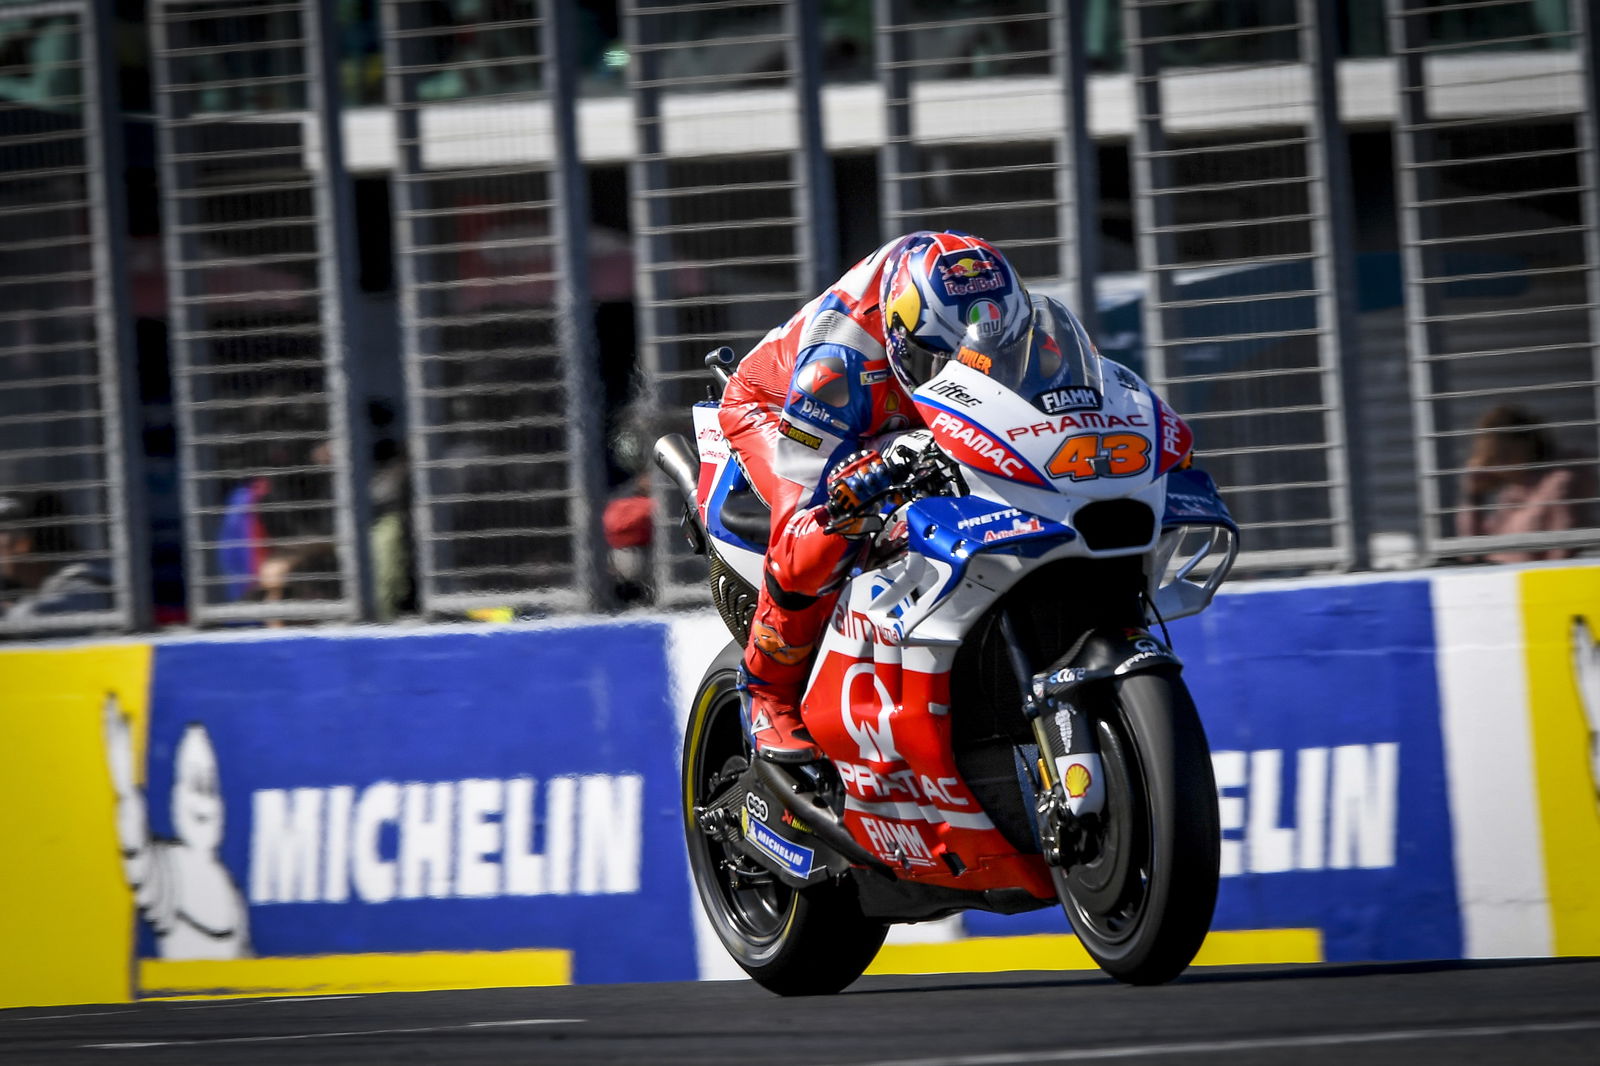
(205, 1006)
(1263, 1044)
(329, 1036)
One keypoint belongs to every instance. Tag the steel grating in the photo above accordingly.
(64, 524)
(499, 356)
(1502, 255)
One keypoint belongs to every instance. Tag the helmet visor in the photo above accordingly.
(1003, 358)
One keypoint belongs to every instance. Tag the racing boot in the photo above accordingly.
(776, 663)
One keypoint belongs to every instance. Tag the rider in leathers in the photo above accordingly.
(801, 411)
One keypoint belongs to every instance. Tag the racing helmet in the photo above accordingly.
(942, 290)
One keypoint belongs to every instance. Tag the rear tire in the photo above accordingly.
(809, 942)
(1142, 906)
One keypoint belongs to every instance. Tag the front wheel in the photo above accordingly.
(796, 943)
(1142, 902)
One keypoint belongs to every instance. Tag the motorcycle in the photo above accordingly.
(1001, 730)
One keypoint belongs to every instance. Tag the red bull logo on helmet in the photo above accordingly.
(969, 272)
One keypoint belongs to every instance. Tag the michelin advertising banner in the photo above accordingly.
(1406, 768)
(312, 814)
(1329, 767)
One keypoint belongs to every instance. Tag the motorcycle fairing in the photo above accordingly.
(720, 475)
(999, 434)
(1193, 499)
(880, 711)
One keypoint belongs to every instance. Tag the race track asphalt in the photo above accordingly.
(1505, 1013)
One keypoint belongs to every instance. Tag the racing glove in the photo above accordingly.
(857, 490)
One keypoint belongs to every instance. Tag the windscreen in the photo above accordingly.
(1054, 355)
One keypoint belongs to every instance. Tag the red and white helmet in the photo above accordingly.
(945, 291)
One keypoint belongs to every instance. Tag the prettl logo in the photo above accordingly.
(985, 519)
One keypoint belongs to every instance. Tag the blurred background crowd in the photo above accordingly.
(371, 309)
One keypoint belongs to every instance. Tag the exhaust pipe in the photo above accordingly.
(678, 461)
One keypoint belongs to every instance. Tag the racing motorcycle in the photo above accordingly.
(1001, 730)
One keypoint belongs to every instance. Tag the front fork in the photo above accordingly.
(1072, 791)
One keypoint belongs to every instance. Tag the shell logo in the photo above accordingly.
(1078, 780)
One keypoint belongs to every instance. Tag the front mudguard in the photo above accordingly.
(1070, 761)
(1102, 655)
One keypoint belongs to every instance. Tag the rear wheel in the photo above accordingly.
(813, 941)
(1142, 900)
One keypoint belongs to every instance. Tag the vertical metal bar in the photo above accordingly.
(898, 200)
(180, 242)
(1153, 211)
(127, 501)
(1078, 175)
(1411, 147)
(336, 266)
(813, 167)
(411, 270)
(1329, 168)
(575, 309)
(652, 248)
(1586, 20)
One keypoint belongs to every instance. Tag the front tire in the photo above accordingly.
(1142, 904)
(809, 942)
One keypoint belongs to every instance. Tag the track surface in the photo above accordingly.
(1524, 1013)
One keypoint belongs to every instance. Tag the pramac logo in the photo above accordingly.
(977, 449)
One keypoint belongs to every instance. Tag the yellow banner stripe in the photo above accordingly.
(1569, 792)
(326, 975)
(1058, 951)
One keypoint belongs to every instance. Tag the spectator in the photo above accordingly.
(38, 572)
(394, 584)
(1517, 483)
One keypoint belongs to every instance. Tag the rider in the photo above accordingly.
(800, 410)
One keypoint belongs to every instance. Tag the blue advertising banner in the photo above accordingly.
(1322, 708)
(437, 792)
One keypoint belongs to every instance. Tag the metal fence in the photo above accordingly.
(66, 509)
(1403, 374)
(986, 130)
(491, 220)
(732, 200)
(257, 272)
(1244, 244)
(1496, 150)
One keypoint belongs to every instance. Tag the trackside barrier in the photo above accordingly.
(1405, 770)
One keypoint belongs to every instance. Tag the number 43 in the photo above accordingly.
(1091, 455)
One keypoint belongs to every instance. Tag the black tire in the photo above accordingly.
(1143, 905)
(795, 943)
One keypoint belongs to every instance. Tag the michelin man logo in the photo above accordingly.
(1586, 670)
(180, 886)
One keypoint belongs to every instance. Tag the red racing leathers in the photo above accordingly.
(811, 393)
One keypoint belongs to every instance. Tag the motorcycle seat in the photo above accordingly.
(747, 517)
